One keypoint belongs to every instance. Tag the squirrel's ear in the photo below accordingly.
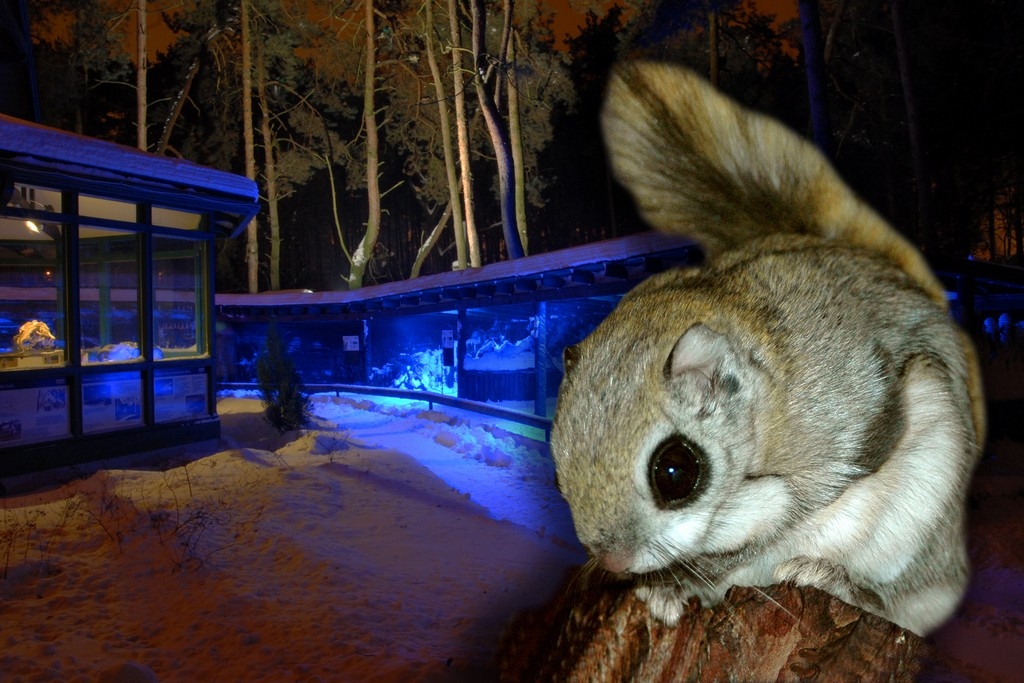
(696, 365)
(699, 350)
(569, 357)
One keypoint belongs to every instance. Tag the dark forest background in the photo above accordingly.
(924, 104)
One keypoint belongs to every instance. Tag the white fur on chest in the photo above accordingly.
(879, 525)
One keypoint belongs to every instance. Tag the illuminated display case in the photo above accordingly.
(415, 352)
(491, 335)
(107, 344)
(324, 351)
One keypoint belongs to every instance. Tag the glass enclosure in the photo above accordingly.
(139, 294)
(31, 297)
(324, 351)
(32, 281)
(414, 352)
(513, 354)
(179, 314)
(501, 339)
(110, 209)
(510, 355)
(107, 344)
(109, 295)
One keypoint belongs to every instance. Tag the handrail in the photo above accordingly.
(428, 397)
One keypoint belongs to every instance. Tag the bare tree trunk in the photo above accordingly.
(334, 209)
(462, 129)
(364, 252)
(179, 102)
(428, 244)
(516, 140)
(496, 131)
(454, 204)
(831, 37)
(186, 87)
(252, 249)
(269, 171)
(814, 67)
(917, 150)
(141, 94)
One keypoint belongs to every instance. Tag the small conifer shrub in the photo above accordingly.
(285, 403)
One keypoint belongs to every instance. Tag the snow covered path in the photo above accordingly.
(325, 556)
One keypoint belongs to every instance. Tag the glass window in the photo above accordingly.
(501, 338)
(179, 319)
(97, 207)
(413, 352)
(109, 295)
(172, 218)
(31, 294)
(35, 198)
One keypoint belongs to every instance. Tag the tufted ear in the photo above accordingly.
(698, 366)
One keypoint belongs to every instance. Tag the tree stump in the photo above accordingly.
(603, 633)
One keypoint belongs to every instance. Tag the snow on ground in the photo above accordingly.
(387, 542)
(333, 555)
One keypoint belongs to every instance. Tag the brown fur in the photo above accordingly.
(835, 408)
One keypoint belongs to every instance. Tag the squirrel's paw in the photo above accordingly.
(666, 603)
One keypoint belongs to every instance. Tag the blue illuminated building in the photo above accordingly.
(106, 296)
(491, 335)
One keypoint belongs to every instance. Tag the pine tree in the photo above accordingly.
(285, 403)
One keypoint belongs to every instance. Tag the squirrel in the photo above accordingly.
(800, 408)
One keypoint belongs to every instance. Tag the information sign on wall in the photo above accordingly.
(33, 411)
(180, 395)
(111, 401)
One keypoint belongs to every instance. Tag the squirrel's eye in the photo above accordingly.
(675, 473)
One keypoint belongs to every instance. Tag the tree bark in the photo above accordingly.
(1018, 223)
(454, 201)
(605, 634)
(516, 140)
(428, 244)
(179, 103)
(183, 92)
(830, 37)
(141, 71)
(497, 133)
(252, 250)
(462, 129)
(269, 171)
(364, 251)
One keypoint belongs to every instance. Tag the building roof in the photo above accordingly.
(126, 170)
(600, 268)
